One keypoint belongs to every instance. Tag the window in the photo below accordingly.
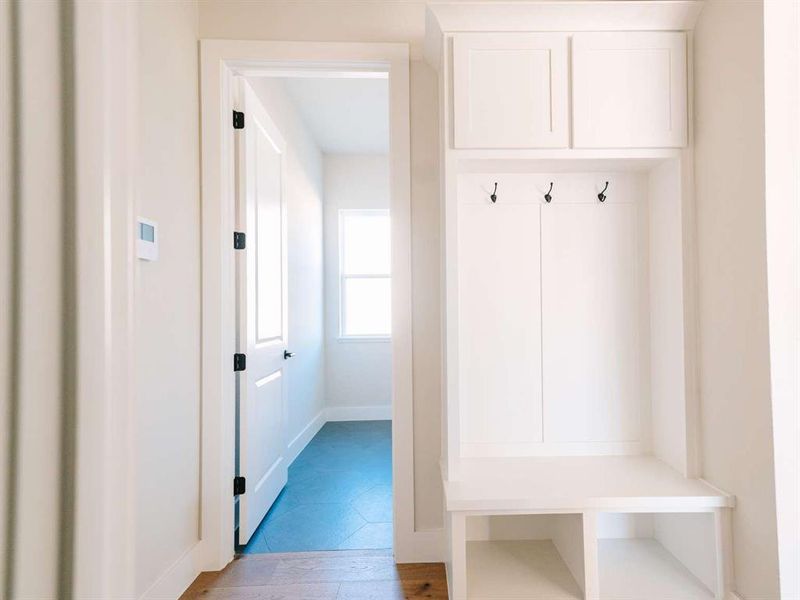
(365, 274)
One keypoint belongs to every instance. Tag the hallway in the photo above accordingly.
(339, 494)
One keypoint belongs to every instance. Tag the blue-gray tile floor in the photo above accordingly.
(339, 494)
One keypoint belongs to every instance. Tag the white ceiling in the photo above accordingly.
(345, 116)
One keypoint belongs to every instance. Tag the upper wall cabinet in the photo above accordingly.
(510, 90)
(629, 90)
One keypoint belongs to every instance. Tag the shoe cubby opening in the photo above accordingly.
(514, 557)
(659, 555)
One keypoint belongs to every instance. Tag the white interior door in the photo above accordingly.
(262, 312)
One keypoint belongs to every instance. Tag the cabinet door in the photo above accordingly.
(629, 90)
(500, 386)
(510, 90)
(590, 315)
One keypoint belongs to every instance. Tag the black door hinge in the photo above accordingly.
(238, 486)
(239, 362)
(239, 240)
(238, 120)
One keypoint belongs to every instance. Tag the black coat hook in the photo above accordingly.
(547, 196)
(493, 197)
(602, 196)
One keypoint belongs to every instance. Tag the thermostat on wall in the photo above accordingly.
(147, 239)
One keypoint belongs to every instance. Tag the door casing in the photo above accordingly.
(220, 62)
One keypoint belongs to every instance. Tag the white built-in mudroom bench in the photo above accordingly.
(570, 428)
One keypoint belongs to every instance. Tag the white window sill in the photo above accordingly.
(369, 339)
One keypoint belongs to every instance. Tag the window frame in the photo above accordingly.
(342, 214)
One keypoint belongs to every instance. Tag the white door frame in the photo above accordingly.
(220, 62)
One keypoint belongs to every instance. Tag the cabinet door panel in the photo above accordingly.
(629, 90)
(590, 320)
(500, 387)
(510, 90)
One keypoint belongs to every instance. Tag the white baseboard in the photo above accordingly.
(358, 413)
(733, 596)
(178, 577)
(301, 439)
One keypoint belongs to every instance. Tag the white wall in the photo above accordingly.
(426, 295)
(352, 20)
(304, 211)
(167, 293)
(357, 373)
(732, 282)
(782, 149)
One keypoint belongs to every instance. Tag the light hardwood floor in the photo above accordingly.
(341, 575)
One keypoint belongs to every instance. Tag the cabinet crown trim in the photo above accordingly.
(612, 15)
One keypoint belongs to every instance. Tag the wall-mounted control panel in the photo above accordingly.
(146, 239)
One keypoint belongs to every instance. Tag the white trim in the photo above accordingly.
(570, 15)
(302, 439)
(364, 339)
(178, 577)
(733, 596)
(359, 413)
(220, 61)
(308, 70)
(649, 15)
